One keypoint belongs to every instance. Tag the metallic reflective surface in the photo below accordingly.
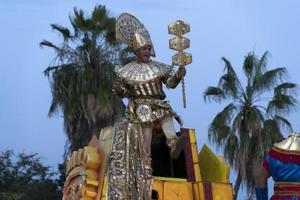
(129, 172)
(292, 143)
(132, 32)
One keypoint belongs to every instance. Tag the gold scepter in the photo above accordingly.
(180, 43)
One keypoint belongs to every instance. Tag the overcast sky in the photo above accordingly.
(219, 28)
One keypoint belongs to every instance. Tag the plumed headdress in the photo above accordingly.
(132, 32)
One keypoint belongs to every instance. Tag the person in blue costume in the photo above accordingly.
(283, 164)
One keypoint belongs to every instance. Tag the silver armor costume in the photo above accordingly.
(142, 84)
(129, 166)
(130, 174)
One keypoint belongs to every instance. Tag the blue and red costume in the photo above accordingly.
(284, 167)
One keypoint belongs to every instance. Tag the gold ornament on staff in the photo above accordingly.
(180, 43)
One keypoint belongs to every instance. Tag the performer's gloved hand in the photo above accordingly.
(180, 72)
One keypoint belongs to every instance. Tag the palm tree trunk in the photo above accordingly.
(237, 185)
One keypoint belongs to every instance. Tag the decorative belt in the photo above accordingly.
(287, 188)
(157, 102)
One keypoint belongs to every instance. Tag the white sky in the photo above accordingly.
(218, 28)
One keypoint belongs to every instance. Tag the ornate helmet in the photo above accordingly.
(292, 143)
(132, 32)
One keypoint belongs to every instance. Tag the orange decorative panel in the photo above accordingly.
(178, 191)
(222, 191)
(158, 186)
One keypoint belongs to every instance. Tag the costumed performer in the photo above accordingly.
(283, 164)
(141, 81)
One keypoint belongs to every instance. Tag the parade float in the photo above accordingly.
(193, 176)
(121, 163)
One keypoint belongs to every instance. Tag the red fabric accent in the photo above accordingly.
(286, 187)
(285, 157)
(188, 156)
(266, 165)
(286, 191)
(285, 197)
(280, 186)
(207, 191)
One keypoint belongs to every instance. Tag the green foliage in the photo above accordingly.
(24, 177)
(246, 128)
(81, 75)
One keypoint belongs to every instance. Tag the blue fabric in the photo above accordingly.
(283, 171)
(261, 193)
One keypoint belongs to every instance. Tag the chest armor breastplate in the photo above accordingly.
(144, 79)
(151, 88)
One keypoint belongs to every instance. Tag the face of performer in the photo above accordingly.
(143, 54)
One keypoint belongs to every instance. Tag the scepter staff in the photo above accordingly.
(180, 43)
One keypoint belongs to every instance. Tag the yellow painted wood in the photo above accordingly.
(91, 174)
(91, 157)
(178, 191)
(88, 188)
(104, 186)
(105, 139)
(90, 194)
(92, 182)
(213, 168)
(222, 191)
(86, 198)
(170, 179)
(158, 186)
(196, 191)
(80, 153)
(201, 191)
(197, 172)
(194, 153)
(192, 135)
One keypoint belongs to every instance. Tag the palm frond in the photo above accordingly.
(100, 19)
(255, 119)
(282, 103)
(229, 82)
(271, 133)
(62, 30)
(79, 21)
(285, 88)
(262, 63)
(219, 129)
(111, 31)
(48, 44)
(283, 122)
(268, 79)
(47, 72)
(249, 65)
(214, 94)
(231, 148)
(218, 134)
(81, 75)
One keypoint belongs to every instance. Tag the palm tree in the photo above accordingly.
(254, 119)
(81, 75)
